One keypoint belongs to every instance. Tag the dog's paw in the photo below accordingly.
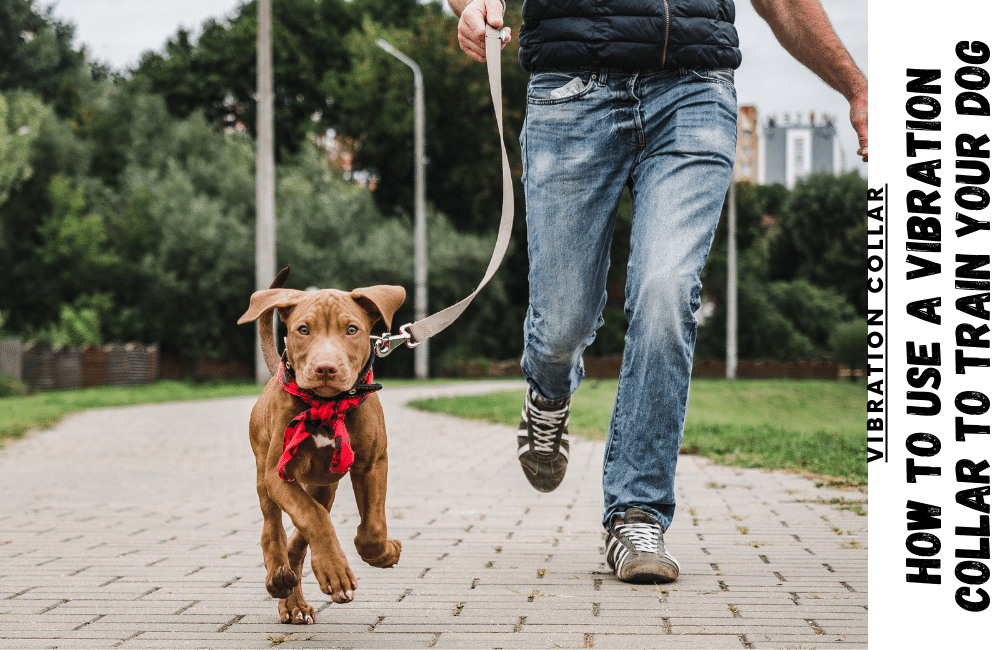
(281, 583)
(336, 581)
(389, 556)
(295, 610)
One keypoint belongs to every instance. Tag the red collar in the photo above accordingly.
(324, 414)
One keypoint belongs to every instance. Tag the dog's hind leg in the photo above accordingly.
(294, 608)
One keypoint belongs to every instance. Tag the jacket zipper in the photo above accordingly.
(666, 31)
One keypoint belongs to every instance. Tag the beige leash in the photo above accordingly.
(412, 334)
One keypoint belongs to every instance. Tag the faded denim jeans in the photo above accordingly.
(670, 137)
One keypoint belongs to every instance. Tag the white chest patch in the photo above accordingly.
(322, 441)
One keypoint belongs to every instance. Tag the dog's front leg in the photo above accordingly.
(312, 522)
(372, 543)
(281, 580)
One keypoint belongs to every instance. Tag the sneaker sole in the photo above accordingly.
(650, 573)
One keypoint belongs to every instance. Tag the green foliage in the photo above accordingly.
(79, 324)
(849, 342)
(821, 236)
(37, 55)
(788, 302)
(10, 387)
(462, 146)
(217, 75)
(20, 116)
(127, 205)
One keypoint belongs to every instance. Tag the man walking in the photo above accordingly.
(633, 94)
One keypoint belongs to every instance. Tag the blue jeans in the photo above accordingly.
(670, 137)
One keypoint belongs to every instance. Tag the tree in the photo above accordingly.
(20, 116)
(217, 74)
(36, 54)
(463, 154)
(821, 234)
(849, 342)
(779, 318)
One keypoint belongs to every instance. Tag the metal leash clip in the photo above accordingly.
(388, 342)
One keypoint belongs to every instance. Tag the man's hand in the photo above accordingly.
(859, 120)
(802, 28)
(472, 25)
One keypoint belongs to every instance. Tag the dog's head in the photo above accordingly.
(328, 330)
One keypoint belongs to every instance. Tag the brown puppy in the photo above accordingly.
(327, 348)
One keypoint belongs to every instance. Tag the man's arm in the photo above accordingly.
(472, 18)
(802, 28)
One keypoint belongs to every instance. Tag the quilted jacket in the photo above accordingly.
(628, 34)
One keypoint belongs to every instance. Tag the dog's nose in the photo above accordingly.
(326, 371)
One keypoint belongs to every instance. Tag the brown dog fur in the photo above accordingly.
(328, 346)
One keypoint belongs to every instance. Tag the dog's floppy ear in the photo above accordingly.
(273, 298)
(268, 299)
(381, 301)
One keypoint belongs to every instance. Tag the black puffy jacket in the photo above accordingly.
(628, 34)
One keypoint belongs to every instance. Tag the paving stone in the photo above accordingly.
(167, 554)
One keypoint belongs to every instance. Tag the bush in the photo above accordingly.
(849, 344)
(10, 387)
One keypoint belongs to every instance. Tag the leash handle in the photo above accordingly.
(414, 333)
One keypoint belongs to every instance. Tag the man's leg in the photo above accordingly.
(689, 128)
(575, 168)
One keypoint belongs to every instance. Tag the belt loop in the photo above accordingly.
(602, 77)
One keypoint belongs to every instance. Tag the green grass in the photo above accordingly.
(816, 427)
(43, 410)
(21, 414)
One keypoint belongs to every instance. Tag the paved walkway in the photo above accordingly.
(139, 528)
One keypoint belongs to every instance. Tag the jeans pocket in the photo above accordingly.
(713, 75)
(559, 87)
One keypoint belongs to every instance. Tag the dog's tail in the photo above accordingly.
(266, 329)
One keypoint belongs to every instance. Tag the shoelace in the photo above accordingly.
(644, 537)
(546, 426)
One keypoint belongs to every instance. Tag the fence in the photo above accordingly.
(115, 364)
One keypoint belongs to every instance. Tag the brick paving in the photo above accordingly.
(139, 528)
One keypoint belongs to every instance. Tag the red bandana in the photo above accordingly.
(323, 413)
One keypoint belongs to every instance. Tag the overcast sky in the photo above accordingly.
(119, 31)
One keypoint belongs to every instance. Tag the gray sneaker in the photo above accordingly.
(542, 447)
(635, 552)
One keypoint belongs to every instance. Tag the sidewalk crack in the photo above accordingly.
(151, 591)
(236, 619)
(127, 639)
(93, 620)
(186, 607)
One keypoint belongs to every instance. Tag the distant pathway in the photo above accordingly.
(139, 528)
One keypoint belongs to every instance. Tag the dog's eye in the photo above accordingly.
(304, 330)
(352, 330)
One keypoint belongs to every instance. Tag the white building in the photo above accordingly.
(792, 151)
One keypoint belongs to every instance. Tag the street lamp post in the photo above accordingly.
(731, 356)
(421, 355)
(265, 254)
